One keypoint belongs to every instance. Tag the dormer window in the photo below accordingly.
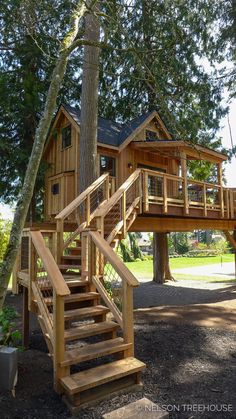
(151, 135)
(66, 137)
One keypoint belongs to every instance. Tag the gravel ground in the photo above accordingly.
(186, 365)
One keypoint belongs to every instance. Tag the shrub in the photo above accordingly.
(9, 336)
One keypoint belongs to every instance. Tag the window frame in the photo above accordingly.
(63, 145)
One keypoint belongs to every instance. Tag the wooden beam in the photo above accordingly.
(167, 224)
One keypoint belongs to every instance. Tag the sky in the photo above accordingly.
(230, 168)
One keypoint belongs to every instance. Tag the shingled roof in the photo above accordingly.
(110, 132)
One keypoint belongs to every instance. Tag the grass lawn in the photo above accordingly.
(144, 268)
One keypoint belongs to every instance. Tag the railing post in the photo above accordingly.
(145, 191)
(185, 195)
(227, 202)
(221, 195)
(123, 212)
(59, 340)
(231, 200)
(15, 288)
(60, 243)
(204, 200)
(127, 316)
(88, 209)
(107, 187)
(140, 186)
(165, 195)
(32, 271)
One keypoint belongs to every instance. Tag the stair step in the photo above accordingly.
(72, 257)
(86, 312)
(76, 283)
(95, 350)
(66, 267)
(82, 296)
(92, 329)
(102, 374)
(73, 282)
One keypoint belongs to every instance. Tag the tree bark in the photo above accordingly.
(37, 150)
(161, 266)
(89, 105)
(158, 257)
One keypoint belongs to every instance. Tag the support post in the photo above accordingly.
(59, 341)
(127, 316)
(234, 236)
(25, 318)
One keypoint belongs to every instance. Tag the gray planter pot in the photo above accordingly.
(8, 367)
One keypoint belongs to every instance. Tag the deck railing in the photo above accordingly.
(83, 208)
(169, 191)
(100, 250)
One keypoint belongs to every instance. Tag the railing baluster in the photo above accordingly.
(123, 205)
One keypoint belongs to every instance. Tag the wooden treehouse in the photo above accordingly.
(64, 262)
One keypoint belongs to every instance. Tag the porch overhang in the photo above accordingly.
(175, 148)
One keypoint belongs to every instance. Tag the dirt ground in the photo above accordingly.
(191, 369)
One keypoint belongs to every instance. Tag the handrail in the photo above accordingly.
(124, 273)
(49, 263)
(81, 198)
(118, 194)
(162, 174)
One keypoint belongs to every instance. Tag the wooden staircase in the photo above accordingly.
(89, 337)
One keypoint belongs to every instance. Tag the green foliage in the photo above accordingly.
(125, 251)
(9, 336)
(180, 243)
(134, 247)
(5, 227)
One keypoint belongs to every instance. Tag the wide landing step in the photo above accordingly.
(102, 374)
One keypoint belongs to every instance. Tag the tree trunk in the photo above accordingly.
(37, 150)
(161, 267)
(89, 106)
(158, 257)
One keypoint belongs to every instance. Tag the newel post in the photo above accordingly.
(128, 317)
(60, 243)
(58, 341)
(221, 191)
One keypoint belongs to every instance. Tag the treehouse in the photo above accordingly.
(64, 263)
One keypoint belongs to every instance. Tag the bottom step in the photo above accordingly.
(84, 380)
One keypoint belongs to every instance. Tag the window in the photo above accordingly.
(55, 189)
(108, 165)
(66, 136)
(151, 135)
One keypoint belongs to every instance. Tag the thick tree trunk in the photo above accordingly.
(37, 150)
(161, 267)
(89, 106)
(158, 257)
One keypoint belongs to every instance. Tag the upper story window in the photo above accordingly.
(55, 189)
(151, 135)
(66, 136)
(108, 165)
